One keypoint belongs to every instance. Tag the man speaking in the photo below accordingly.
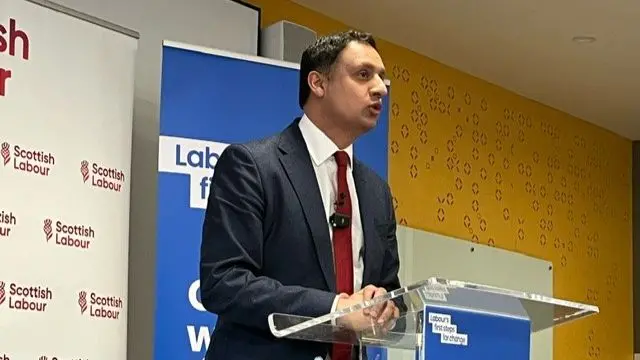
(295, 223)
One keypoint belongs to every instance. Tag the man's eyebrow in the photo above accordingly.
(368, 65)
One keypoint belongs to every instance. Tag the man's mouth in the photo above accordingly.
(376, 106)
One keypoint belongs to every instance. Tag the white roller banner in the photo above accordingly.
(66, 100)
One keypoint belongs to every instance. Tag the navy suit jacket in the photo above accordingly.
(266, 246)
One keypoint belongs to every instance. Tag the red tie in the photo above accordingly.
(342, 245)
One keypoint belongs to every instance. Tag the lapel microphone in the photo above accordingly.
(339, 221)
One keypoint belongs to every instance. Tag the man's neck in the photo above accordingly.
(337, 134)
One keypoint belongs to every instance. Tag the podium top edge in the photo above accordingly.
(451, 283)
(86, 17)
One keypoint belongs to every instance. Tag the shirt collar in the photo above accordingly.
(319, 145)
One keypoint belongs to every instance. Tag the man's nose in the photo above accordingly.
(380, 89)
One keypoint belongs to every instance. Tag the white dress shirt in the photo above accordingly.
(321, 149)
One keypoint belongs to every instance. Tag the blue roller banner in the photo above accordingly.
(209, 99)
(461, 334)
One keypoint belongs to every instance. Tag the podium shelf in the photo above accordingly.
(406, 332)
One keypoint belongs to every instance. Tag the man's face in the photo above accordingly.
(355, 88)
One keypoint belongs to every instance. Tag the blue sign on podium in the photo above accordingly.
(463, 334)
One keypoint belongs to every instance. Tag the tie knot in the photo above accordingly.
(342, 158)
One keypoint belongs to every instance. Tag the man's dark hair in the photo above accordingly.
(322, 55)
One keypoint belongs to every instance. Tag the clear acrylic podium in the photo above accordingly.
(444, 319)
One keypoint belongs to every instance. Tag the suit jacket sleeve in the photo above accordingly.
(391, 263)
(231, 281)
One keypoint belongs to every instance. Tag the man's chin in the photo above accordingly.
(369, 122)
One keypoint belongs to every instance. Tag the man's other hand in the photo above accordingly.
(379, 316)
(384, 313)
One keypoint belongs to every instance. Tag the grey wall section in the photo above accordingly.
(636, 246)
(221, 24)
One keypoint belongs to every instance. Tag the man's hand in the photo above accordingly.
(356, 321)
(383, 314)
(379, 316)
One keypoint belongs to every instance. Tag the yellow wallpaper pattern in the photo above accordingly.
(474, 161)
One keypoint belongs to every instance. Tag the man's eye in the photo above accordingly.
(364, 74)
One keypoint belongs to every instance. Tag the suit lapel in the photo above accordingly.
(297, 164)
(366, 203)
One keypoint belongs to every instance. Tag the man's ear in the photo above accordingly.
(317, 83)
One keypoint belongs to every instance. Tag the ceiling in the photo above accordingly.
(524, 46)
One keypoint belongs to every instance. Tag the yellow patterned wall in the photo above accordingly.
(474, 161)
